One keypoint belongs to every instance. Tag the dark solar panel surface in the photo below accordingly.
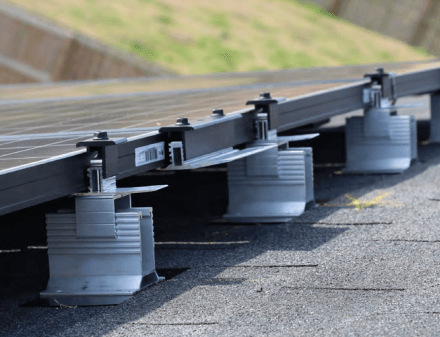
(36, 126)
(38, 131)
(182, 83)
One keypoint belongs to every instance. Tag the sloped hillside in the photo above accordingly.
(199, 36)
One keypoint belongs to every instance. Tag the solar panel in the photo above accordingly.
(39, 132)
(184, 83)
(36, 131)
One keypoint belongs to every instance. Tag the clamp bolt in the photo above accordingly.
(217, 113)
(265, 95)
(100, 135)
(182, 121)
(379, 70)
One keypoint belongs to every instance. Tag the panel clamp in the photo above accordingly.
(268, 105)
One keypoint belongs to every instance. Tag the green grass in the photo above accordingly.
(199, 36)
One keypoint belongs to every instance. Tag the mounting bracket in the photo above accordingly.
(380, 141)
(272, 186)
(102, 252)
(268, 105)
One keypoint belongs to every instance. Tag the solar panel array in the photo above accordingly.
(181, 83)
(34, 130)
(38, 131)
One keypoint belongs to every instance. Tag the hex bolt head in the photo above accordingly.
(217, 113)
(379, 70)
(100, 135)
(265, 95)
(182, 121)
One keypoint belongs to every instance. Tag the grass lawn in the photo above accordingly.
(199, 36)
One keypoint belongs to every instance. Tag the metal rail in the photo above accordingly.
(51, 179)
(322, 105)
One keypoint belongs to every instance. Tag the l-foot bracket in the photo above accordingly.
(273, 186)
(380, 141)
(101, 252)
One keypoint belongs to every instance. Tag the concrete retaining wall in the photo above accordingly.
(42, 52)
(11, 76)
(414, 22)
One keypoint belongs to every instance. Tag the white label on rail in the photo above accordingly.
(149, 154)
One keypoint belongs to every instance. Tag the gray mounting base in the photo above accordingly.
(271, 187)
(101, 254)
(380, 143)
(95, 290)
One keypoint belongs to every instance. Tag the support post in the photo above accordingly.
(435, 119)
